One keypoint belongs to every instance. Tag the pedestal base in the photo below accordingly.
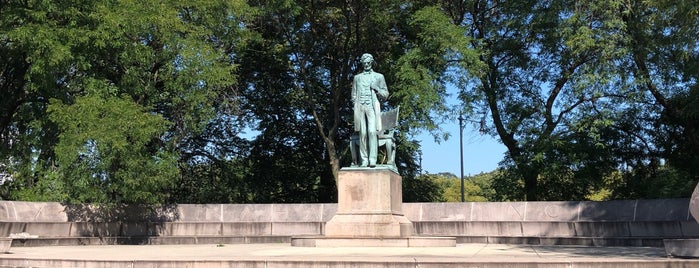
(369, 214)
(683, 248)
(369, 205)
(5, 244)
(375, 225)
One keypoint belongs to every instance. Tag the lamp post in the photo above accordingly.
(420, 161)
(461, 151)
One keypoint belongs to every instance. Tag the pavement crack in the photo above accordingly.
(536, 251)
(479, 250)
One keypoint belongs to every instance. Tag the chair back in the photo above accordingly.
(389, 119)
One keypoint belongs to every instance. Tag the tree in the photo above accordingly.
(546, 69)
(101, 151)
(477, 188)
(296, 78)
(577, 90)
(663, 61)
(167, 64)
(179, 60)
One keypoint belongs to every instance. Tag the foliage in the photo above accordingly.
(129, 102)
(422, 72)
(216, 182)
(477, 188)
(295, 80)
(101, 148)
(139, 80)
(565, 82)
(663, 59)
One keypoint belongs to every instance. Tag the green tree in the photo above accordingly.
(546, 88)
(663, 61)
(101, 151)
(296, 78)
(214, 182)
(476, 188)
(167, 64)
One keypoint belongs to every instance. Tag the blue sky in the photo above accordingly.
(482, 153)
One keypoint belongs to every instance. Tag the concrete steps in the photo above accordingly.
(628, 234)
(405, 263)
(286, 256)
(565, 241)
(195, 240)
(147, 240)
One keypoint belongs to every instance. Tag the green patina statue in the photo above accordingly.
(367, 87)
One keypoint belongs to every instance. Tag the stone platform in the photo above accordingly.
(683, 248)
(370, 214)
(5, 244)
(686, 248)
(414, 241)
(369, 204)
(285, 256)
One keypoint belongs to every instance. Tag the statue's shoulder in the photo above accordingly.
(372, 75)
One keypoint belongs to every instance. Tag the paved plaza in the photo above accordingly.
(283, 255)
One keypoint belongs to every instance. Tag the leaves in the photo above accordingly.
(106, 144)
(559, 89)
(123, 101)
(422, 73)
(126, 86)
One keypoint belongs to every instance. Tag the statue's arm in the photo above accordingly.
(381, 88)
(354, 89)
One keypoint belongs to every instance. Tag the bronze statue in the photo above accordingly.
(367, 87)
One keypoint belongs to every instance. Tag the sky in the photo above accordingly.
(482, 153)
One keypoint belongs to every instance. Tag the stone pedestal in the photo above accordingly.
(369, 214)
(369, 204)
(686, 248)
(5, 244)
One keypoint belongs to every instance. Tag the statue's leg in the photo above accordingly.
(390, 153)
(372, 138)
(354, 142)
(363, 154)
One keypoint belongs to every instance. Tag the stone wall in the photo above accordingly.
(583, 211)
(626, 218)
(574, 211)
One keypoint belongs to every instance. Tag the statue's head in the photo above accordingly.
(367, 61)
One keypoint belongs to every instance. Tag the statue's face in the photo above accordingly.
(367, 64)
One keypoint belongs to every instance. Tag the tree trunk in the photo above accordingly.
(531, 183)
(328, 191)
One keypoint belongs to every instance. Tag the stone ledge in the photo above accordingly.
(414, 241)
(654, 242)
(147, 240)
(683, 248)
(571, 211)
(5, 244)
(180, 240)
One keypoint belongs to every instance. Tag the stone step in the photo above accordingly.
(193, 240)
(286, 256)
(147, 240)
(568, 241)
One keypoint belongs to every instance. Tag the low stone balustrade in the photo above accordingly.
(624, 222)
